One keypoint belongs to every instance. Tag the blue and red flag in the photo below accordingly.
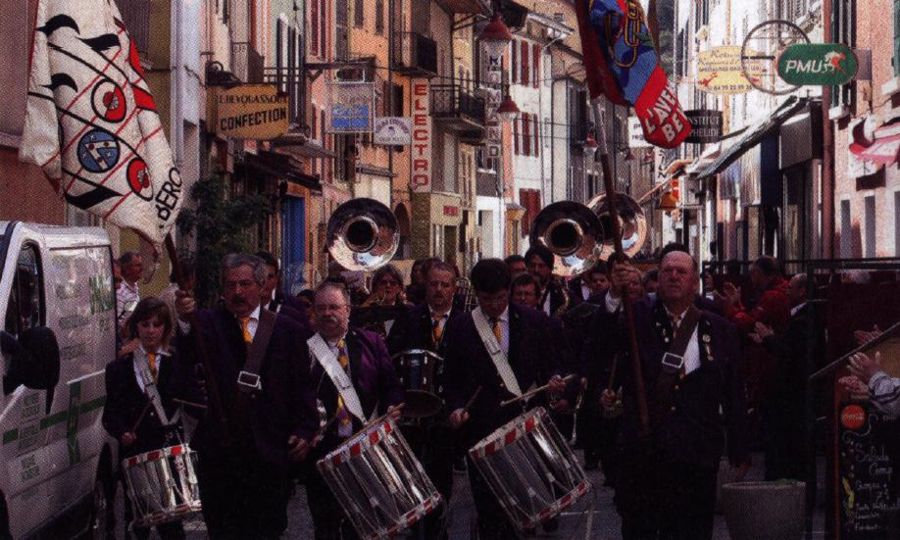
(622, 64)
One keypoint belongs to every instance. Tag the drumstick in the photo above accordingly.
(141, 417)
(189, 403)
(472, 399)
(530, 393)
(320, 434)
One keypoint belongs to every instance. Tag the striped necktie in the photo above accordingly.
(437, 332)
(495, 325)
(345, 423)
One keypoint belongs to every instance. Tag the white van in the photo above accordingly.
(58, 306)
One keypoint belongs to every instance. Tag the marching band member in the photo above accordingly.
(268, 408)
(386, 300)
(354, 381)
(554, 299)
(690, 358)
(424, 327)
(140, 411)
(522, 357)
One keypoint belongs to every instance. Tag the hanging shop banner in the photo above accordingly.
(706, 126)
(393, 131)
(719, 71)
(352, 107)
(420, 180)
(636, 137)
(251, 111)
(818, 64)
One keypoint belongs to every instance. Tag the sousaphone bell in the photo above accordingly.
(362, 235)
(580, 235)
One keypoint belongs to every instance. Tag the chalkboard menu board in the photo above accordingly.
(866, 472)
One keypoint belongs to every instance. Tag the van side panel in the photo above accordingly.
(51, 458)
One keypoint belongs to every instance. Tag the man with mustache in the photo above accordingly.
(424, 327)
(357, 362)
(265, 409)
(665, 479)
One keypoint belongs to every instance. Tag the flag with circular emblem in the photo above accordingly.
(91, 123)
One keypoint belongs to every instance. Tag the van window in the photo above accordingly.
(26, 308)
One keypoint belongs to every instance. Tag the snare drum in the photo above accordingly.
(162, 485)
(378, 481)
(418, 371)
(530, 469)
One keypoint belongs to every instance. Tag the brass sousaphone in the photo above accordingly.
(362, 235)
(580, 235)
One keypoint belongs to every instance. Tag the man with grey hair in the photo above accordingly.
(354, 381)
(263, 409)
(131, 266)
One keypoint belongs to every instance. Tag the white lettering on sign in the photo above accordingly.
(421, 137)
(664, 116)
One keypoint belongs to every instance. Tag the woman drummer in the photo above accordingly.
(129, 415)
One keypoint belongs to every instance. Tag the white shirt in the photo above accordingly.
(546, 307)
(252, 324)
(691, 354)
(504, 326)
(442, 320)
(795, 309)
(139, 361)
(127, 295)
(585, 292)
(333, 345)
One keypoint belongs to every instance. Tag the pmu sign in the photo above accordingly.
(818, 64)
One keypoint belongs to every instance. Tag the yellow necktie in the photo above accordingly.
(151, 361)
(496, 326)
(245, 329)
(341, 413)
(436, 331)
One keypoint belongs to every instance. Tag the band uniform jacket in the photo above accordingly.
(559, 297)
(286, 404)
(291, 307)
(373, 377)
(125, 402)
(533, 356)
(693, 431)
(413, 331)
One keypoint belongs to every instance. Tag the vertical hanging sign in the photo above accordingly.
(420, 170)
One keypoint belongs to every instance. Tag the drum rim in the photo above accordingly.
(344, 452)
(183, 449)
(516, 426)
(409, 352)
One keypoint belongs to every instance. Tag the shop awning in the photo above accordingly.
(283, 167)
(752, 135)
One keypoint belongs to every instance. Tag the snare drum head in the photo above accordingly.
(421, 404)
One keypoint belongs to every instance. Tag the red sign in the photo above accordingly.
(452, 211)
(675, 186)
(421, 137)
(853, 417)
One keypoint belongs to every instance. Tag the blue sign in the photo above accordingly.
(351, 117)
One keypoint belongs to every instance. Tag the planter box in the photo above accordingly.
(764, 510)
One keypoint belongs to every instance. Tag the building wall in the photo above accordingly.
(874, 31)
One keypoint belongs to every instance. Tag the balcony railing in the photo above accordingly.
(459, 109)
(415, 54)
(136, 16)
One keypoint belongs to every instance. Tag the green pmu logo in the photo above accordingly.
(818, 64)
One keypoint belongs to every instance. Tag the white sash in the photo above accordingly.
(496, 352)
(153, 394)
(329, 362)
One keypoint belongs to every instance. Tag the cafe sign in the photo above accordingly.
(251, 111)
(818, 64)
(719, 71)
(706, 126)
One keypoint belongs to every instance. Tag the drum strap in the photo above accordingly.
(673, 364)
(154, 397)
(501, 362)
(329, 362)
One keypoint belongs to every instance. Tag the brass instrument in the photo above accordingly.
(362, 235)
(465, 295)
(579, 235)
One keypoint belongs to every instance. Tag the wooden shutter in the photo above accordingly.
(524, 63)
(516, 135)
(537, 135)
(536, 63)
(514, 61)
(526, 134)
(314, 29)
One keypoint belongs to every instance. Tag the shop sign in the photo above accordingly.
(636, 137)
(719, 71)
(450, 210)
(393, 131)
(818, 64)
(706, 126)
(251, 111)
(421, 136)
(351, 105)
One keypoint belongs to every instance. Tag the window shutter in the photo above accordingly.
(323, 29)
(516, 135)
(536, 63)
(896, 58)
(515, 58)
(537, 135)
(526, 134)
(525, 70)
(358, 15)
(314, 29)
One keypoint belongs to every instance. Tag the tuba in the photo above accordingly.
(580, 235)
(362, 235)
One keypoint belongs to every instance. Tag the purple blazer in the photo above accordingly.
(373, 376)
(286, 405)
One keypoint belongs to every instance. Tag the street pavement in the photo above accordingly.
(604, 520)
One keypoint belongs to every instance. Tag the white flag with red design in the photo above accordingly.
(91, 123)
